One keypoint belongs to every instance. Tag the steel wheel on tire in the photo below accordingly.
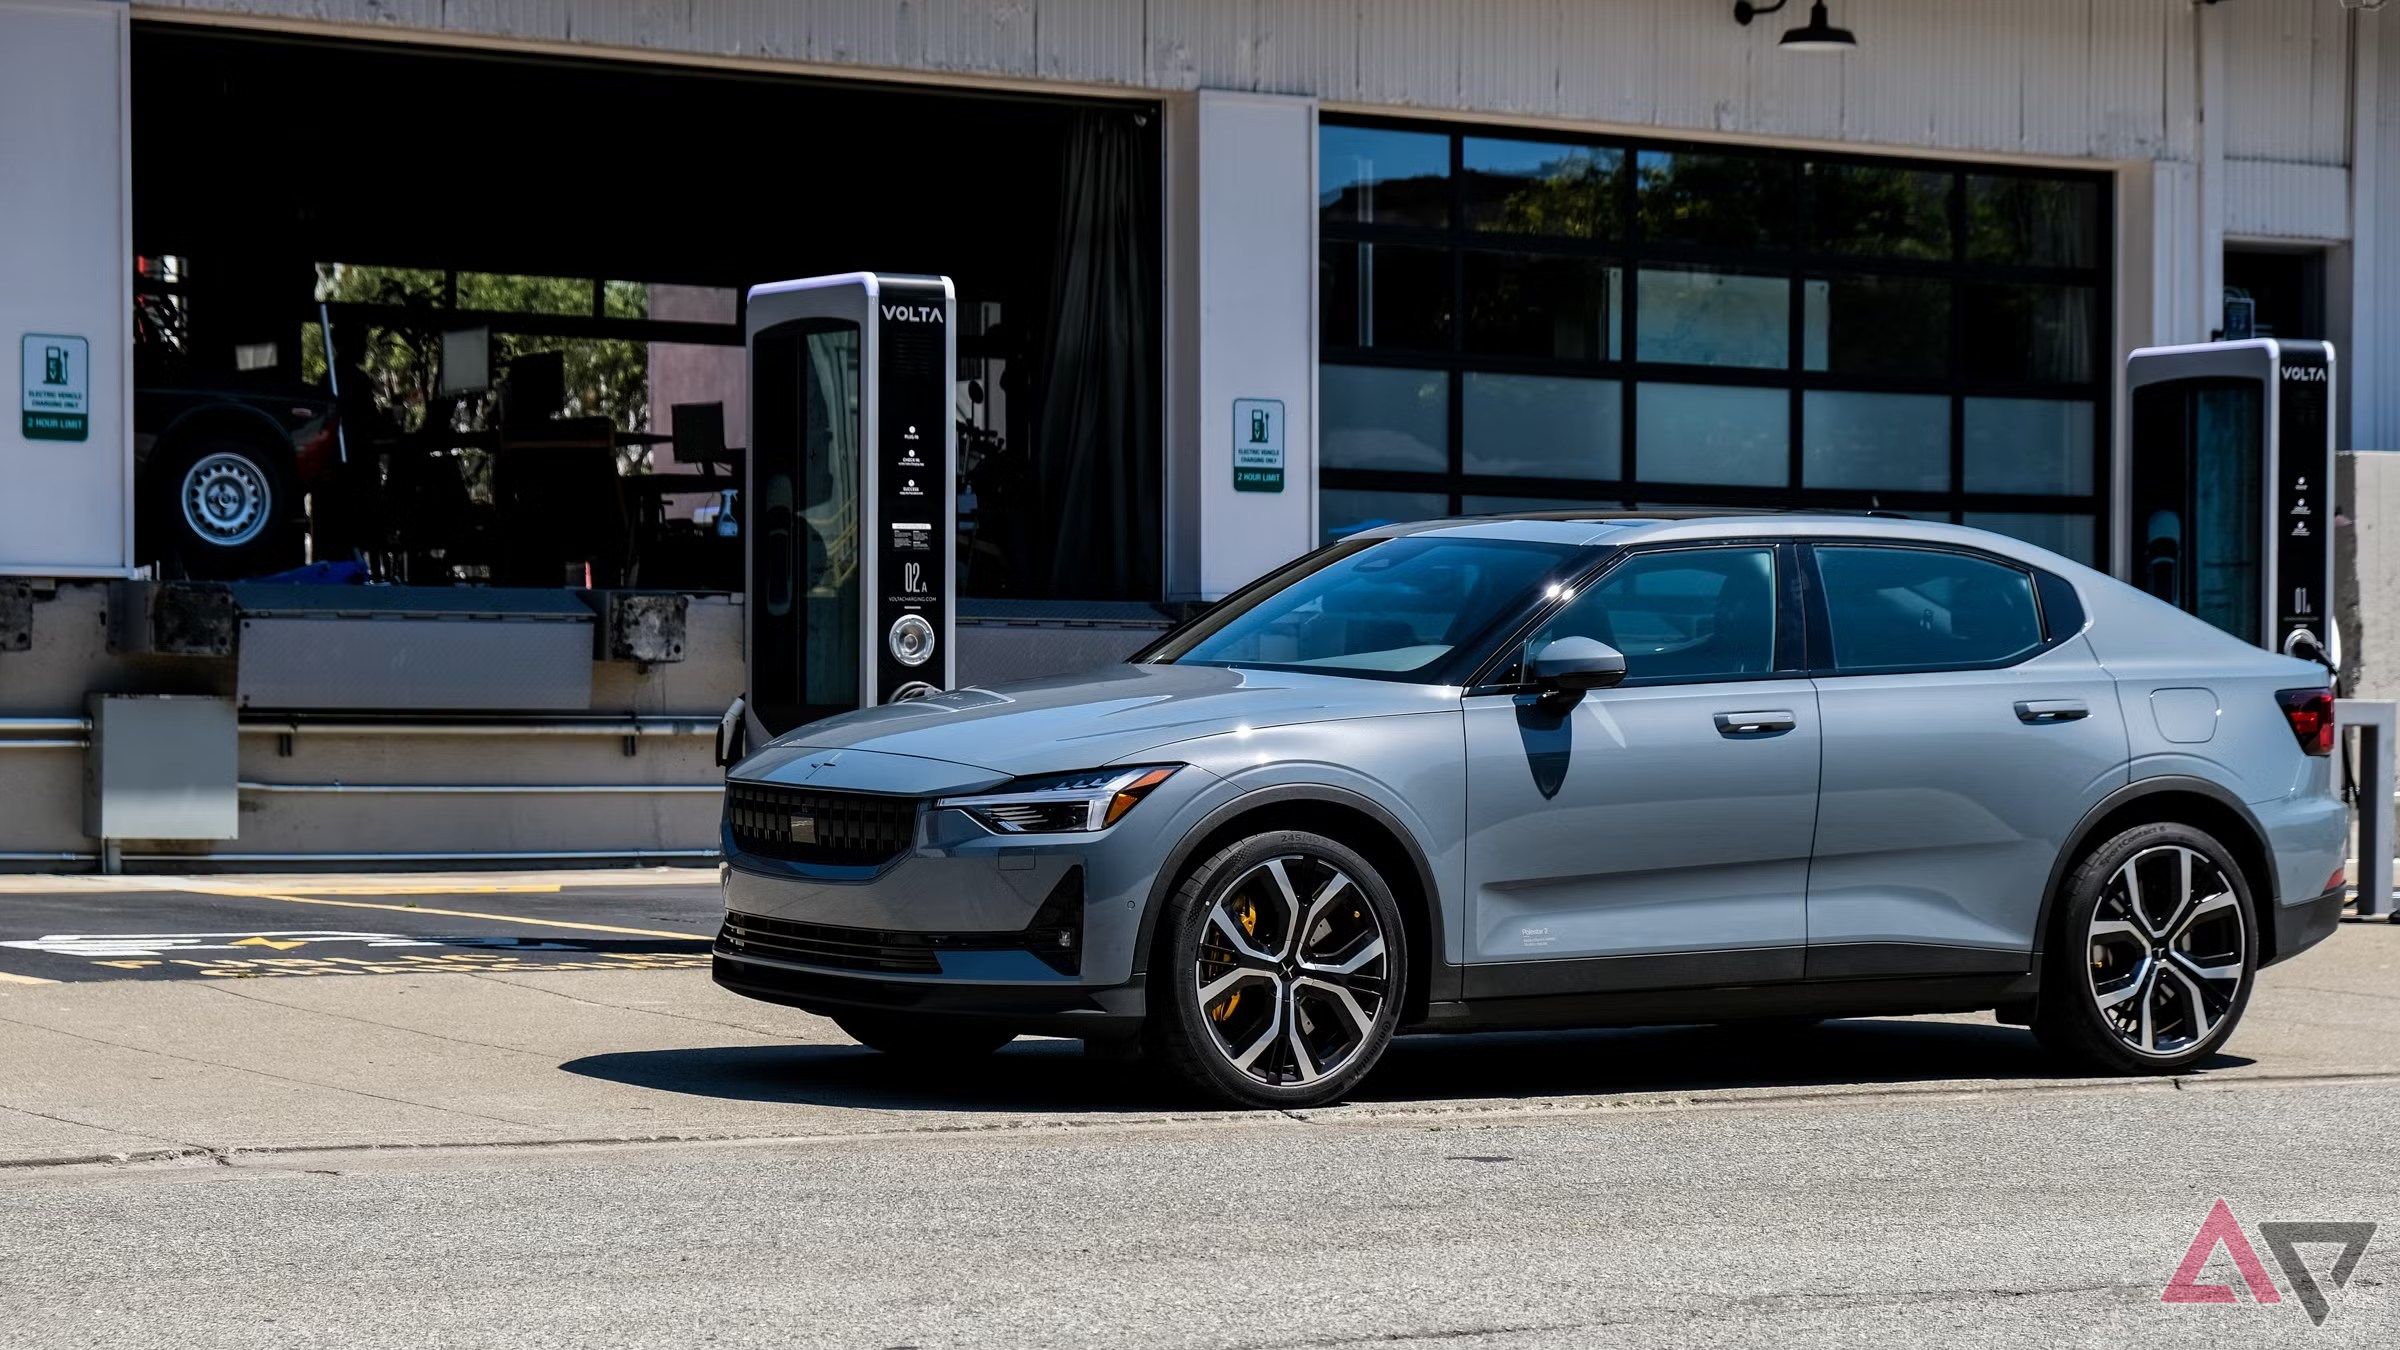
(1292, 970)
(226, 499)
(2169, 949)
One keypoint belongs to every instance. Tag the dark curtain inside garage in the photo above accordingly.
(1096, 447)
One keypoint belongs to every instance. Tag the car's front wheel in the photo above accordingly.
(924, 1039)
(1280, 974)
(2152, 953)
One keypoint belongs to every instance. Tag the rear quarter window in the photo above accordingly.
(1924, 609)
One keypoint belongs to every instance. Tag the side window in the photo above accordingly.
(1685, 614)
(1895, 608)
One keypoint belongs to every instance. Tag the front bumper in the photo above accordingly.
(1028, 927)
(2302, 925)
(1055, 1009)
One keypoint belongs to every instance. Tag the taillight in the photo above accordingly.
(2310, 711)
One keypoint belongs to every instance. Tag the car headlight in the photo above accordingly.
(1090, 799)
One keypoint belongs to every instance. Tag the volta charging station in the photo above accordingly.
(2226, 510)
(851, 514)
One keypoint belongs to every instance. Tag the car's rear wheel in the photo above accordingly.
(2152, 953)
(1281, 972)
(924, 1039)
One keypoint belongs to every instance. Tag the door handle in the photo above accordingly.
(1755, 723)
(2039, 710)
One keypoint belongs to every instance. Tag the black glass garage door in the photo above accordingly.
(1516, 322)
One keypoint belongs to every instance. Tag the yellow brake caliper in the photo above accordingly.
(1248, 919)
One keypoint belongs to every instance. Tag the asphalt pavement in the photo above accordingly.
(115, 928)
(552, 1154)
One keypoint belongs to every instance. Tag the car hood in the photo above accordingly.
(1115, 714)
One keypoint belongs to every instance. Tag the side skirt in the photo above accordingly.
(1661, 1007)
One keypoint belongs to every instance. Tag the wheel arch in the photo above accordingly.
(222, 416)
(1338, 814)
(2182, 800)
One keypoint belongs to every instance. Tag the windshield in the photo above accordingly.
(1382, 608)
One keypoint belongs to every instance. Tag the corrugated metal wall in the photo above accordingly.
(2071, 78)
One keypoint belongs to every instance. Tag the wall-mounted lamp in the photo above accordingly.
(1817, 35)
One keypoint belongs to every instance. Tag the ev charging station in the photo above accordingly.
(2228, 504)
(2226, 511)
(850, 506)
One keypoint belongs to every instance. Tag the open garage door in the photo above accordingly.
(447, 318)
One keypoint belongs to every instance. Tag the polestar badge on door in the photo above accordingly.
(1565, 771)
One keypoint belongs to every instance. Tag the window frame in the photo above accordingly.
(1791, 619)
(2042, 584)
(1801, 260)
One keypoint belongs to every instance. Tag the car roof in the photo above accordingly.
(1604, 526)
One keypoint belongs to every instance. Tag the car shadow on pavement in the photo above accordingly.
(1030, 1075)
(1854, 1052)
(1054, 1076)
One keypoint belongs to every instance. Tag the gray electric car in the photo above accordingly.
(1566, 770)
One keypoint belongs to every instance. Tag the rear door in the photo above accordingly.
(1966, 734)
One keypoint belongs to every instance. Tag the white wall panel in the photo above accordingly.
(1242, 324)
(66, 266)
(1408, 51)
(660, 24)
(865, 32)
(1703, 63)
(2287, 75)
(1087, 40)
(1607, 71)
(526, 18)
(2375, 321)
(2272, 199)
(764, 29)
(2130, 54)
(1509, 56)
(990, 36)
(1307, 47)
(1200, 46)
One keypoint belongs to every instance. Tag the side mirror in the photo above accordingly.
(1571, 665)
(730, 733)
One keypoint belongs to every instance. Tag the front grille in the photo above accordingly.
(818, 944)
(1055, 937)
(851, 829)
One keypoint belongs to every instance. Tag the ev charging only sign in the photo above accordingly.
(57, 391)
(1258, 445)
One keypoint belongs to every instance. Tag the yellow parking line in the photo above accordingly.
(6, 978)
(454, 889)
(445, 913)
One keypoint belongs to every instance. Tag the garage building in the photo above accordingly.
(407, 333)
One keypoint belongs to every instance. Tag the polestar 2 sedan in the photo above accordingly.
(1559, 771)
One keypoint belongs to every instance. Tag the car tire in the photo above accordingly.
(930, 1040)
(2152, 952)
(223, 506)
(1280, 973)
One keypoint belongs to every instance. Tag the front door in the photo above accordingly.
(1655, 834)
